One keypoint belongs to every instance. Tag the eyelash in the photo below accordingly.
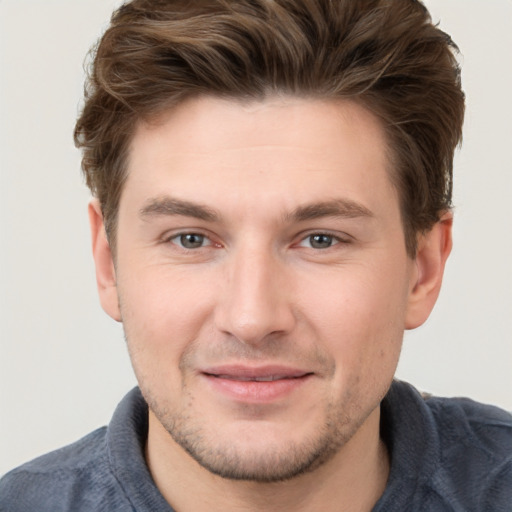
(180, 236)
(178, 239)
(335, 239)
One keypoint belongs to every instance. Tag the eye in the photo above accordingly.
(191, 240)
(319, 241)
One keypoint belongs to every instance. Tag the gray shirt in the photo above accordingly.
(446, 455)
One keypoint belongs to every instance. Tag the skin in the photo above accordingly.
(256, 239)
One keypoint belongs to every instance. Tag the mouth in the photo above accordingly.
(256, 384)
(268, 378)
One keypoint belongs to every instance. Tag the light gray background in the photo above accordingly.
(63, 365)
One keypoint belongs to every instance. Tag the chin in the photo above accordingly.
(271, 462)
(259, 451)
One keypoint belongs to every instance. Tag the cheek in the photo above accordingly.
(360, 316)
(163, 312)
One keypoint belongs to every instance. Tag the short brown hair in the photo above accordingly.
(384, 54)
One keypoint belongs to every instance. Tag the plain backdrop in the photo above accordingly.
(63, 364)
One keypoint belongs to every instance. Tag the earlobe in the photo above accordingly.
(434, 247)
(105, 270)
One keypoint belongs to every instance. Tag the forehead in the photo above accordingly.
(278, 151)
(208, 123)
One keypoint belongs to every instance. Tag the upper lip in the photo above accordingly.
(245, 372)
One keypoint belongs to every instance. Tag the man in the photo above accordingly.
(273, 190)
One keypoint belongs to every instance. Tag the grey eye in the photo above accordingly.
(321, 241)
(191, 240)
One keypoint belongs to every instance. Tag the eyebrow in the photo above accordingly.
(163, 206)
(344, 208)
(168, 206)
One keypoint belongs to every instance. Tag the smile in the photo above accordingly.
(255, 385)
(269, 378)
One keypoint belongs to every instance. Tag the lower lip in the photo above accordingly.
(256, 391)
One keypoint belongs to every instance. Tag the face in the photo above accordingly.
(262, 279)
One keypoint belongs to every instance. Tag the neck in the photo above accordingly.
(353, 479)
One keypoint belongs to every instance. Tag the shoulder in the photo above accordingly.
(475, 443)
(78, 474)
(483, 427)
(447, 453)
(457, 423)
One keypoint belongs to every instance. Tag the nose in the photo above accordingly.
(254, 302)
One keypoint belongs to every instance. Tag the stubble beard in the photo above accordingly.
(273, 464)
(276, 462)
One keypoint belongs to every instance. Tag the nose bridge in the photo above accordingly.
(254, 303)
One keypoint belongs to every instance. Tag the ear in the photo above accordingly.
(434, 247)
(105, 270)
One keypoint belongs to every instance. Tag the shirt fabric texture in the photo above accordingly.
(446, 455)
